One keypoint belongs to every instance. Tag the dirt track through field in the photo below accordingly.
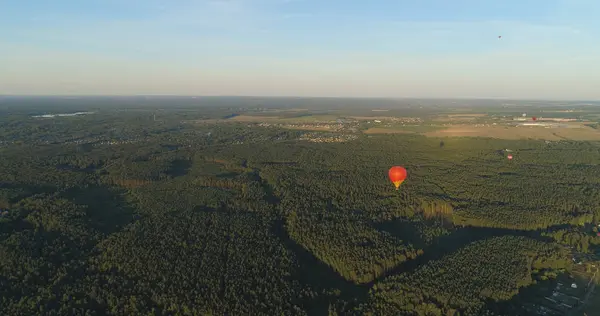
(582, 133)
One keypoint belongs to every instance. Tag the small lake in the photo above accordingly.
(63, 114)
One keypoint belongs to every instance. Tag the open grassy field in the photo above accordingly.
(275, 119)
(578, 132)
(310, 118)
(399, 129)
(252, 118)
(383, 130)
(458, 117)
(270, 118)
(434, 122)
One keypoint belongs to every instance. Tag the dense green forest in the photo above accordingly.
(137, 210)
(492, 269)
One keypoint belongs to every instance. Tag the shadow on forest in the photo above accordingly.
(107, 209)
(25, 190)
(403, 230)
(311, 271)
(279, 163)
(13, 222)
(270, 195)
(444, 245)
(228, 175)
(86, 148)
(530, 294)
(207, 209)
(68, 167)
(319, 276)
(169, 147)
(179, 167)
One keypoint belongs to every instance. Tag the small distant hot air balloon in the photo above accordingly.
(534, 118)
(499, 36)
(509, 157)
(397, 175)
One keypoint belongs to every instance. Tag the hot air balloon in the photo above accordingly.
(397, 175)
(534, 118)
(509, 157)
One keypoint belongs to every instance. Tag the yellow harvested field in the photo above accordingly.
(578, 132)
(380, 130)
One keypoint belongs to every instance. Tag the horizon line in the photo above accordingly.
(284, 97)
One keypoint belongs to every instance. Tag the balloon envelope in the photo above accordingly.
(397, 175)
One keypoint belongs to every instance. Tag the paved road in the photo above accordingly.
(578, 310)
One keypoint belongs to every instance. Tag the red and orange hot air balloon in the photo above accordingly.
(397, 175)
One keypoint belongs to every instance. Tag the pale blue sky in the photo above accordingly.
(380, 48)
